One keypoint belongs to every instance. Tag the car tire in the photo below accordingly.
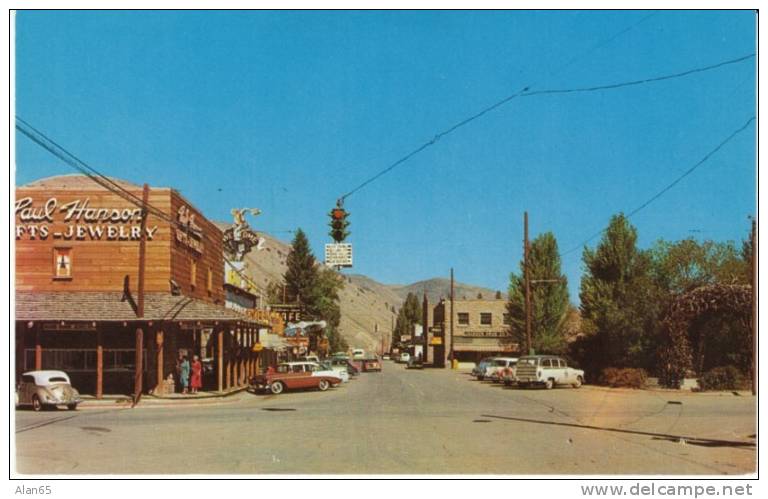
(277, 387)
(323, 385)
(579, 382)
(549, 384)
(37, 406)
(72, 407)
(480, 378)
(507, 383)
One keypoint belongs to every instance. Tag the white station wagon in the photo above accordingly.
(547, 371)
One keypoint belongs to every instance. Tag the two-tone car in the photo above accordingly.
(547, 371)
(499, 366)
(293, 376)
(46, 389)
(479, 370)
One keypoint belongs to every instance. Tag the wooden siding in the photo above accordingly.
(100, 264)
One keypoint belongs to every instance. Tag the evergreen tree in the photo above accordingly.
(301, 274)
(549, 300)
(619, 300)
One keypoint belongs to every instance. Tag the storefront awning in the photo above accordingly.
(113, 306)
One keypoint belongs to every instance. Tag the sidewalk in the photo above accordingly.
(168, 400)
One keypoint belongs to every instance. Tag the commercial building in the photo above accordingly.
(77, 296)
(480, 329)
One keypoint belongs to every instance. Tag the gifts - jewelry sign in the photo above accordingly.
(82, 222)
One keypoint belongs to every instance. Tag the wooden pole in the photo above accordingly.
(527, 273)
(99, 365)
(754, 306)
(138, 380)
(452, 299)
(38, 349)
(159, 340)
(220, 359)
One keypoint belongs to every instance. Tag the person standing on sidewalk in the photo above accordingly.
(184, 374)
(196, 381)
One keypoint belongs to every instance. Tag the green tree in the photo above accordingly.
(549, 298)
(408, 315)
(619, 300)
(301, 275)
(316, 289)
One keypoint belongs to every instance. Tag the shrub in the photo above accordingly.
(722, 378)
(624, 378)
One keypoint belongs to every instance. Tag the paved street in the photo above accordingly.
(401, 421)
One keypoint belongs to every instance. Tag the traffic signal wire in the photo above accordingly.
(526, 92)
(671, 184)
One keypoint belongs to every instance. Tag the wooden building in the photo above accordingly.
(76, 280)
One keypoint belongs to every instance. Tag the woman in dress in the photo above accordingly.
(184, 374)
(196, 381)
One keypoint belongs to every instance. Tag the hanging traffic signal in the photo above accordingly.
(338, 224)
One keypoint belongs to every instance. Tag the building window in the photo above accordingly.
(463, 319)
(193, 273)
(62, 263)
(209, 281)
(507, 319)
(486, 318)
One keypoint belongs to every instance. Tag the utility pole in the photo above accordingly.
(139, 363)
(527, 277)
(754, 306)
(452, 298)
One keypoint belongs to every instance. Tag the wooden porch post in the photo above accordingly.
(220, 359)
(250, 354)
(159, 339)
(228, 361)
(99, 364)
(38, 349)
(238, 375)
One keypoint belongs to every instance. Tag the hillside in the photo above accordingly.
(366, 305)
(440, 287)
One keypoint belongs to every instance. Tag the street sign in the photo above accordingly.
(338, 255)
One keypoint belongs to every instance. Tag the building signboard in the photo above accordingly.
(483, 334)
(81, 221)
(338, 255)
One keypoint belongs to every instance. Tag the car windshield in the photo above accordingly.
(530, 361)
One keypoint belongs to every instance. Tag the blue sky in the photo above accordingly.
(286, 111)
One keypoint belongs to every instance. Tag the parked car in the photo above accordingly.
(405, 357)
(358, 353)
(479, 370)
(294, 375)
(341, 370)
(415, 363)
(371, 365)
(46, 389)
(385, 356)
(497, 365)
(548, 371)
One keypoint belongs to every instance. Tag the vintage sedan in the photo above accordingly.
(371, 365)
(295, 375)
(46, 389)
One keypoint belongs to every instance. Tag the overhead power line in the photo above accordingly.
(106, 182)
(671, 184)
(526, 92)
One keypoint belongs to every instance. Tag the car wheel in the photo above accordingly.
(72, 407)
(277, 387)
(480, 378)
(578, 382)
(549, 384)
(507, 383)
(37, 406)
(323, 385)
